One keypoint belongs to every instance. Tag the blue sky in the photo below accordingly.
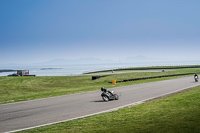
(42, 30)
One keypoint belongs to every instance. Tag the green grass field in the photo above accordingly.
(178, 113)
(15, 89)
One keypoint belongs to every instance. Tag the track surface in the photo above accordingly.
(30, 114)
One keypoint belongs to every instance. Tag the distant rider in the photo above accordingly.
(196, 76)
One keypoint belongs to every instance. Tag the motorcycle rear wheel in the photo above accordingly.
(116, 96)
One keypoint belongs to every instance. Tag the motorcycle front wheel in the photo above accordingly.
(105, 98)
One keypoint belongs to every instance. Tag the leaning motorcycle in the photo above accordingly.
(108, 95)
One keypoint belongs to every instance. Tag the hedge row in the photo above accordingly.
(127, 80)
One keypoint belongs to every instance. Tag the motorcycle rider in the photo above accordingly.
(105, 90)
(102, 89)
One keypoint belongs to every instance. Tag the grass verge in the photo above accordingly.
(178, 113)
(147, 68)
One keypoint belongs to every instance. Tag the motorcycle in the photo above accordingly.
(196, 78)
(108, 95)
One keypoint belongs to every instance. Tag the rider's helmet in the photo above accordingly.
(102, 89)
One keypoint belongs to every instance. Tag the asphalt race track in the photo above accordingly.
(30, 114)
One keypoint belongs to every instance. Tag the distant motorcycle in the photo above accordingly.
(108, 95)
(196, 78)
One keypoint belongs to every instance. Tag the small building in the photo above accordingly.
(22, 72)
